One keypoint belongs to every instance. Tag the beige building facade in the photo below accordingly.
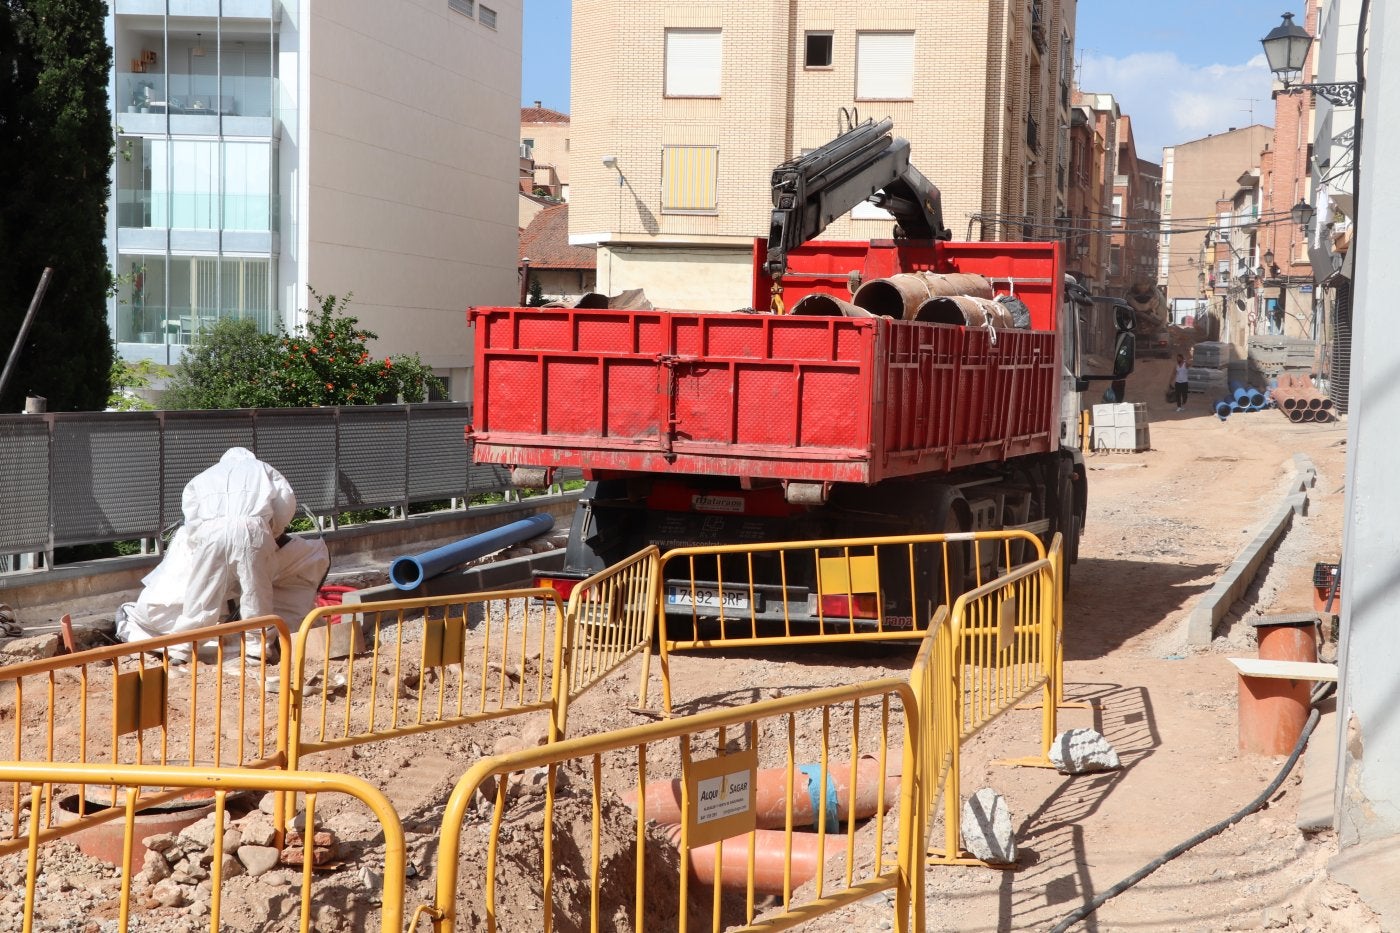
(680, 112)
(545, 143)
(1195, 176)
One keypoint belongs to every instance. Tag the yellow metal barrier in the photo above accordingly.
(214, 711)
(611, 617)
(135, 779)
(821, 592)
(478, 656)
(999, 645)
(735, 788)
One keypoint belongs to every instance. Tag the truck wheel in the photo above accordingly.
(1068, 525)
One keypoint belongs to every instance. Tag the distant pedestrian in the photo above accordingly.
(1182, 383)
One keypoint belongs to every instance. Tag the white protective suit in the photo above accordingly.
(234, 512)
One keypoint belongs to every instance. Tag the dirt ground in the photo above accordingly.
(1162, 526)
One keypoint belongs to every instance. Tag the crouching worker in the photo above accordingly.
(232, 545)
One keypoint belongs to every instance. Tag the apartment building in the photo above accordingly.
(1085, 238)
(681, 111)
(1136, 211)
(354, 146)
(544, 142)
(1196, 175)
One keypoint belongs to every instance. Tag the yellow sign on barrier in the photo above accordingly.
(835, 802)
(131, 704)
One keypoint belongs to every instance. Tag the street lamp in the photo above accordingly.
(1302, 213)
(1286, 48)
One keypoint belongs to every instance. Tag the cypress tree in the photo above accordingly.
(55, 160)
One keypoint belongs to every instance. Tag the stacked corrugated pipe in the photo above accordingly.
(1297, 398)
(1242, 398)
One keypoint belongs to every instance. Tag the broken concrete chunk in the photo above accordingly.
(1082, 751)
(33, 648)
(259, 860)
(986, 828)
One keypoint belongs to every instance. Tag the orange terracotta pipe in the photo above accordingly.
(1274, 711)
(663, 798)
(809, 853)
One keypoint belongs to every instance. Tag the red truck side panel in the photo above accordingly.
(800, 398)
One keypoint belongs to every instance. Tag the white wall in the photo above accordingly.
(680, 278)
(1368, 780)
(411, 170)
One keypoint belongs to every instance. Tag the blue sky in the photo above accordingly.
(1181, 70)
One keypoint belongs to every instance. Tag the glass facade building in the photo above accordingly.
(195, 215)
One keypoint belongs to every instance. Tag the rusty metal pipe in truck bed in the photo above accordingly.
(821, 304)
(900, 296)
(965, 310)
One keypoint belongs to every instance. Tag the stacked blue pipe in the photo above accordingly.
(408, 573)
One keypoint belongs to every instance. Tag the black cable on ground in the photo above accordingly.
(1320, 692)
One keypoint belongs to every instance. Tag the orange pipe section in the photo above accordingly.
(663, 798)
(1274, 711)
(770, 856)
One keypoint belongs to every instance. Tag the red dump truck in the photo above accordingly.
(869, 408)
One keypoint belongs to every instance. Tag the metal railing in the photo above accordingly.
(998, 646)
(612, 616)
(727, 791)
(822, 592)
(94, 477)
(134, 779)
(128, 704)
(481, 656)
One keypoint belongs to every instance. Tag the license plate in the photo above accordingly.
(706, 597)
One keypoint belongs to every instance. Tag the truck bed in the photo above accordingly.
(814, 399)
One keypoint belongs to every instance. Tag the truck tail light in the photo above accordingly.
(563, 587)
(843, 606)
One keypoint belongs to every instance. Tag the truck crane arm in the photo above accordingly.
(865, 163)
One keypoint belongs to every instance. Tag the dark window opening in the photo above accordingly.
(818, 50)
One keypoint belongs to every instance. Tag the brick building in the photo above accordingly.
(544, 145)
(681, 112)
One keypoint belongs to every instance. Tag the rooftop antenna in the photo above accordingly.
(1251, 101)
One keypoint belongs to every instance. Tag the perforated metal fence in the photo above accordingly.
(92, 477)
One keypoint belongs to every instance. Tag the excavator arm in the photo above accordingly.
(865, 163)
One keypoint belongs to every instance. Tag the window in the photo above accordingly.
(1117, 210)
(487, 17)
(1166, 204)
(884, 66)
(465, 7)
(692, 63)
(688, 179)
(818, 50)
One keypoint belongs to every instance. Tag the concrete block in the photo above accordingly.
(1319, 784)
(986, 828)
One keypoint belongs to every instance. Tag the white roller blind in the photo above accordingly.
(692, 62)
(884, 65)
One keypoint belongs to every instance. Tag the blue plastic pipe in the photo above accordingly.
(408, 573)
(1222, 408)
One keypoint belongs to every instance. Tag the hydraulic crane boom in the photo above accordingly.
(865, 163)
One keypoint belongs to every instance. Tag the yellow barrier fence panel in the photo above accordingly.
(212, 882)
(823, 592)
(759, 817)
(207, 697)
(1002, 648)
(1058, 559)
(406, 666)
(611, 618)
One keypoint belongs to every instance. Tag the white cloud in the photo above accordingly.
(1172, 102)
